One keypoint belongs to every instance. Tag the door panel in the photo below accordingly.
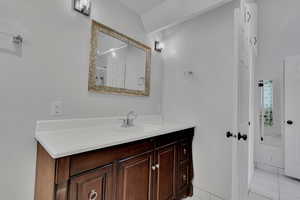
(242, 101)
(165, 173)
(94, 185)
(243, 128)
(292, 113)
(135, 178)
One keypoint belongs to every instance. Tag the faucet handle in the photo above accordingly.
(124, 122)
(131, 116)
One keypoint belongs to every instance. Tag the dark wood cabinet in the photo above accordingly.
(165, 173)
(135, 178)
(93, 185)
(183, 178)
(184, 168)
(158, 168)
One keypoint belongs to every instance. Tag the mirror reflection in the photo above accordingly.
(269, 113)
(118, 64)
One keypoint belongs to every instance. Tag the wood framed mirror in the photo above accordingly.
(118, 63)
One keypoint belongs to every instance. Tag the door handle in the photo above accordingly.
(229, 134)
(244, 137)
(93, 195)
(289, 122)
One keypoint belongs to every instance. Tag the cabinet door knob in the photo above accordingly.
(157, 166)
(93, 195)
(153, 168)
(184, 151)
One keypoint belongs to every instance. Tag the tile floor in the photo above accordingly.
(254, 196)
(273, 186)
(265, 186)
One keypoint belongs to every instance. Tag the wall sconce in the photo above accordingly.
(158, 46)
(83, 6)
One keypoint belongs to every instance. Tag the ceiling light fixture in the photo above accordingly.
(83, 6)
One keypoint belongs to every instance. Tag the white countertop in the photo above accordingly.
(62, 138)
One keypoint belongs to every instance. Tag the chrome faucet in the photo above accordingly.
(130, 117)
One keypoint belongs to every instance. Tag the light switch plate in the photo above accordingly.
(57, 108)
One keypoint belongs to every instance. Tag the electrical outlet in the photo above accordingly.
(56, 108)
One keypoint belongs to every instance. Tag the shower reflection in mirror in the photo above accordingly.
(269, 116)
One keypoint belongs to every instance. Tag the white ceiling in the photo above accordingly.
(172, 12)
(157, 15)
(141, 6)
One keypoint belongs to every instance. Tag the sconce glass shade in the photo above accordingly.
(158, 46)
(83, 6)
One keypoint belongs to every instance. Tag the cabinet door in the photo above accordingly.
(165, 173)
(135, 178)
(94, 185)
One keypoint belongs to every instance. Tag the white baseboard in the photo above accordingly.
(200, 194)
(254, 196)
(269, 168)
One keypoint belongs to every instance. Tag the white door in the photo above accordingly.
(243, 130)
(292, 117)
(241, 115)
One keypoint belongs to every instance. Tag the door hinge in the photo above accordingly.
(260, 83)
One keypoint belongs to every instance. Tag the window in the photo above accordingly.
(268, 103)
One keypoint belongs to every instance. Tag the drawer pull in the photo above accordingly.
(93, 195)
(184, 177)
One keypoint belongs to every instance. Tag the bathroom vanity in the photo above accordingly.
(149, 163)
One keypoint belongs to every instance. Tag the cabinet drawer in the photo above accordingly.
(91, 160)
(174, 137)
(94, 185)
(184, 150)
(184, 175)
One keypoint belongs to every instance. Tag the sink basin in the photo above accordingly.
(136, 128)
(139, 129)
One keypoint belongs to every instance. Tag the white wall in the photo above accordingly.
(278, 34)
(54, 65)
(203, 45)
